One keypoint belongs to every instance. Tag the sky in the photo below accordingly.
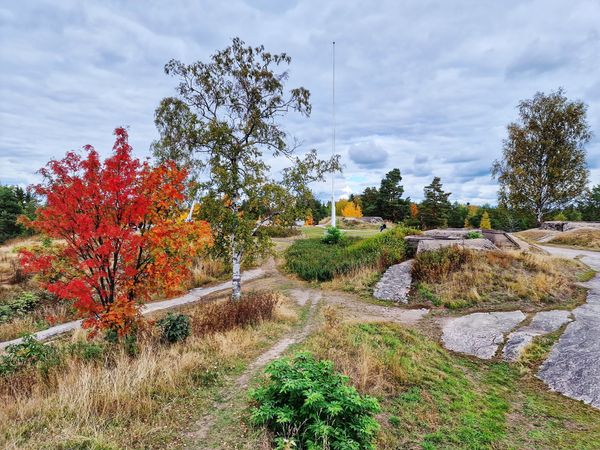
(424, 86)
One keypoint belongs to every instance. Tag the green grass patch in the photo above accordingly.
(586, 275)
(314, 260)
(431, 399)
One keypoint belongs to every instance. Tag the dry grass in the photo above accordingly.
(206, 270)
(125, 402)
(535, 234)
(457, 278)
(360, 281)
(583, 237)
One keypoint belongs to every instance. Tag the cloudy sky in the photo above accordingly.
(425, 86)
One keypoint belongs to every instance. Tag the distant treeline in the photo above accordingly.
(15, 202)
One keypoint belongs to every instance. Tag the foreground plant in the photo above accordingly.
(120, 235)
(306, 404)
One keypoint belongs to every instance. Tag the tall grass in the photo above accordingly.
(456, 277)
(313, 260)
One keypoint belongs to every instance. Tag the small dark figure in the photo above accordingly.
(382, 227)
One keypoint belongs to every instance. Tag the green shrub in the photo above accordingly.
(474, 235)
(333, 235)
(28, 353)
(314, 260)
(85, 350)
(174, 328)
(306, 404)
(23, 303)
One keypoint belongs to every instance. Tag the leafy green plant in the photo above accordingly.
(19, 306)
(333, 235)
(174, 328)
(85, 350)
(28, 353)
(306, 404)
(474, 235)
(312, 259)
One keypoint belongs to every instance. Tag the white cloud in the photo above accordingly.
(425, 86)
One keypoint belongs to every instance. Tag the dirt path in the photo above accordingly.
(192, 296)
(204, 425)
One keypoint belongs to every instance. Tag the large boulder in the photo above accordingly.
(426, 245)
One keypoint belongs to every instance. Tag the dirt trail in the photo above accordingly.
(193, 296)
(301, 296)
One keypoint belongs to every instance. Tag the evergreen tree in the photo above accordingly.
(435, 207)
(10, 209)
(370, 202)
(391, 204)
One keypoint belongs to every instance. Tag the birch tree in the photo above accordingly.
(543, 166)
(224, 119)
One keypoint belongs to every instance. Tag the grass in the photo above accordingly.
(459, 278)
(313, 260)
(581, 238)
(146, 401)
(318, 232)
(434, 400)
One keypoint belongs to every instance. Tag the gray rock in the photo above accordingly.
(395, 283)
(573, 367)
(473, 244)
(479, 334)
(543, 322)
(449, 233)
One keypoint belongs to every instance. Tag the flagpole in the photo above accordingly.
(333, 224)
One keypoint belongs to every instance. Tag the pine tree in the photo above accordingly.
(435, 207)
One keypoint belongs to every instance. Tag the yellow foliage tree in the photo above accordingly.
(485, 224)
(351, 210)
(340, 205)
(467, 224)
(414, 210)
(309, 218)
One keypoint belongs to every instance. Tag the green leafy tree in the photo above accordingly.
(543, 166)
(224, 118)
(434, 209)
(590, 204)
(457, 215)
(391, 204)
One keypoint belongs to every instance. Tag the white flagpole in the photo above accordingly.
(333, 224)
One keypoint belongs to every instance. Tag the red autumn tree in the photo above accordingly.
(119, 231)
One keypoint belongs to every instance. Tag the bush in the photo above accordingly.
(333, 235)
(312, 259)
(29, 353)
(279, 231)
(174, 328)
(251, 309)
(432, 266)
(306, 404)
(474, 235)
(85, 350)
(26, 301)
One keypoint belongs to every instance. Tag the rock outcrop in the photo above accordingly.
(395, 283)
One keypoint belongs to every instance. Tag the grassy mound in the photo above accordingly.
(311, 259)
(583, 237)
(455, 277)
(433, 400)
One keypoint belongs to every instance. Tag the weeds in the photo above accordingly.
(253, 308)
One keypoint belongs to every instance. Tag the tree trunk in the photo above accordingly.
(539, 215)
(236, 278)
